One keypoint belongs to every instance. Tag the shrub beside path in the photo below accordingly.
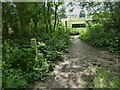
(79, 67)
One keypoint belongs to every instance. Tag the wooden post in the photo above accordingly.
(34, 43)
(66, 25)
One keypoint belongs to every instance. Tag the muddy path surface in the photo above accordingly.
(79, 66)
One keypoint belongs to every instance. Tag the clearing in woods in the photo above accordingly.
(78, 68)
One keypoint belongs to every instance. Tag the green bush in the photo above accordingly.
(30, 66)
(13, 78)
(98, 36)
(21, 64)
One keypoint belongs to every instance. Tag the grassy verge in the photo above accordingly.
(105, 79)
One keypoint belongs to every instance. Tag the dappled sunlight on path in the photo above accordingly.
(79, 67)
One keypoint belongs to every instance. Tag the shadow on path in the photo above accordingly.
(79, 67)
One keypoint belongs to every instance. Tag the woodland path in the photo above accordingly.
(79, 66)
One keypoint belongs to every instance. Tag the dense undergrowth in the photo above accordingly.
(33, 39)
(30, 62)
(98, 36)
(103, 32)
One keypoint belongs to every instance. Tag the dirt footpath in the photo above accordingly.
(79, 67)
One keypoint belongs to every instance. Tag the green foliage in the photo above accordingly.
(23, 62)
(13, 78)
(82, 14)
(105, 79)
(98, 36)
(104, 31)
(18, 58)
(22, 65)
(61, 38)
(74, 31)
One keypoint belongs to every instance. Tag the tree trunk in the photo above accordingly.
(56, 7)
(5, 32)
(49, 17)
(35, 25)
(66, 25)
(45, 18)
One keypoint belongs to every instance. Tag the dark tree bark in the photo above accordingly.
(49, 17)
(5, 33)
(45, 17)
(56, 7)
(66, 25)
(35, 25)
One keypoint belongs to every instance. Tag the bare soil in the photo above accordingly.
(79, 67)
